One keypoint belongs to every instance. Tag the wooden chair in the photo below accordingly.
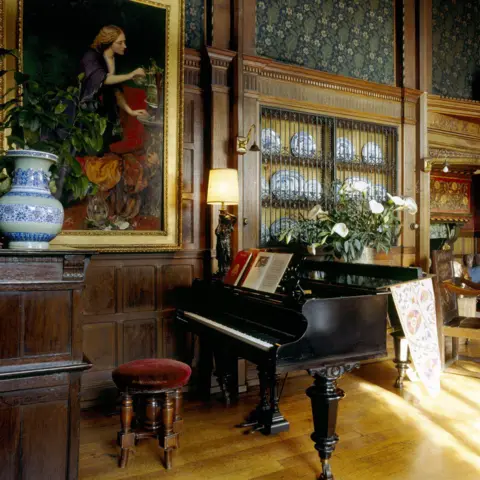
(156, 384)
(450, 324)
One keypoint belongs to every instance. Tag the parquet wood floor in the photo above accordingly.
(384, 435)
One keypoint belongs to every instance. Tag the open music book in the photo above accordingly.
(267, 271)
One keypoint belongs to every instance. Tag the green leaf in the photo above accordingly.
(60, 108)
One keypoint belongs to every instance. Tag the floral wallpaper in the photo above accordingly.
(353, 38)
(456, 47)
(194, 12)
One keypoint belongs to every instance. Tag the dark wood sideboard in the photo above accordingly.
(41, 362)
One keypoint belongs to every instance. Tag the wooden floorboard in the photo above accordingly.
(384, 434)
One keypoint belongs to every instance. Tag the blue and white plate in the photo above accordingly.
(287, 184)
(278, 226)
(264, 188)
(379, 193)
(372, 153)
(312, 190)
(264, 234)
(303, 145)
(271, 143)
(345, 150)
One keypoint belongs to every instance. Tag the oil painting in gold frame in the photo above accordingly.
(136, 205)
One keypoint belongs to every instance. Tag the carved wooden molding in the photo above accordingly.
(438, 156)
(336, 94)
(220, 61)
(192, 67)
(271, 69)
(452, 106)
(446, 123)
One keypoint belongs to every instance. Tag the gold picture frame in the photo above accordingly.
(168, 237)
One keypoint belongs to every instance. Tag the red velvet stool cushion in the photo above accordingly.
(151, 374)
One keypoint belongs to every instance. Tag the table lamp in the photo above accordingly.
(223, 190)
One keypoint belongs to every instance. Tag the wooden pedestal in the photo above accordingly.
(41, 362)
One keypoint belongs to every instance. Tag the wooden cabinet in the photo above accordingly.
(41, 362)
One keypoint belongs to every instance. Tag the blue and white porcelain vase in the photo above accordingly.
(29, 214)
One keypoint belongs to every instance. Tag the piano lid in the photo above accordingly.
(356, 275)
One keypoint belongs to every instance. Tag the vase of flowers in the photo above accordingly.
(356, 223)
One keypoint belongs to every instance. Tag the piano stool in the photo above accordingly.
(155, 384)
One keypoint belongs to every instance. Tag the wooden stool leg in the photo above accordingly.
(151, 412)
(126, 438)
(169, 439)
(177, 418)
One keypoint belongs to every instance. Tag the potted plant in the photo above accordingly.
(355, 227)
(46, 128)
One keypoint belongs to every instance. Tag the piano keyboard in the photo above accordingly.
(230, 331)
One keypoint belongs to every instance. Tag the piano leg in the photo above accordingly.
(325, 396)
(226, 371)
(266, 417)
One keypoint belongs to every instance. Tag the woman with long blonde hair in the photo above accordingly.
(101, 84)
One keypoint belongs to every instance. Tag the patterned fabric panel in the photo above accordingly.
(353, 38)
(456, 47)
(194, 12)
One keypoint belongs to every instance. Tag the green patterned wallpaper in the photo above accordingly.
(194, 23)
(354, 38)
(456, 47)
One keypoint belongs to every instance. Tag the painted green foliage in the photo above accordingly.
(194, 12)
(354, 38)
(456, 47)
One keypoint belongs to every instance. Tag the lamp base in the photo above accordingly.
(226, 224)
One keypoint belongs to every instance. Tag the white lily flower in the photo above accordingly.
(340, 229)
(360, 186)
(411, 205)
(376, 207)
(398, 201)
(316, 212)
(311, 249)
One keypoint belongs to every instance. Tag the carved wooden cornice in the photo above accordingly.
(453, 106)
(268, 68)
(192, 67)
(220, 61)
(438, 156)
(446, 123)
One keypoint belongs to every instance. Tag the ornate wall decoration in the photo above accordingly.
(455, 39)
(194, 12)
(353, 38)
(453, 125)
(450, 197)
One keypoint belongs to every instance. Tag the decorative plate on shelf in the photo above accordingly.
(264, 188)
(278, 226)
(271, 143)
(286, 184)
(379, 192)
(303, 145)
(312, 190)
(264, 234)
(372, 153)
(345, 150)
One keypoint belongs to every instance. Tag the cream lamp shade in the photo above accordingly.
(223, 187)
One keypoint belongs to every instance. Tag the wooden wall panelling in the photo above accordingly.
(194, 177)
(138, 327)
(219, 121)
(218, 29)
(423, 182)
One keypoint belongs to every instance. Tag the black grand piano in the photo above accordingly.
(325, 317)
